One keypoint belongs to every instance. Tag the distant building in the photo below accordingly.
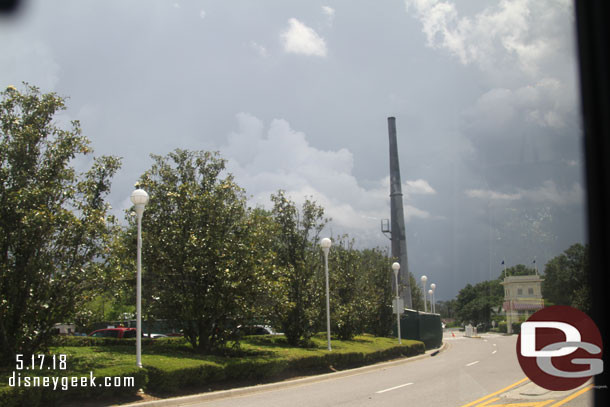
(522, 297)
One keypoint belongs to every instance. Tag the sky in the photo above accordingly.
(296, 96)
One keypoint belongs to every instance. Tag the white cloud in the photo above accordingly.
(492, 195)
(413, 212)
(419, 186)
(509, 32)
(260, 50)
(301, 39)
(202, 14)
(543, 103)
(547, 193)
(265, 160)
(329, 13)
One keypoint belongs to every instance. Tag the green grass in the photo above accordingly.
(171, 365)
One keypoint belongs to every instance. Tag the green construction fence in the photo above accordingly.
(421, 326)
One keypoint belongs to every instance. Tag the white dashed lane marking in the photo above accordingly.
(394, 388)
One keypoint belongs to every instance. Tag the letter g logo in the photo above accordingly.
(555, 344)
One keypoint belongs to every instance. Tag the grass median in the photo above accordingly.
(170, 366)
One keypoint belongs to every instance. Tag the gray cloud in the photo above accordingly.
(265, 160)
(485, 96)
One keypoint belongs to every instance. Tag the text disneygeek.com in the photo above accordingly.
(65, 382)
(58, 362)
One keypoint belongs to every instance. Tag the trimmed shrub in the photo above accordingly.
(170, 378)
(65, 340)
(264, 358)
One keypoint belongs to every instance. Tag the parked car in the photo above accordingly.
(153, 336)
(120, 332)
(257, 330)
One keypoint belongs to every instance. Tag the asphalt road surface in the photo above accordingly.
(469, 372)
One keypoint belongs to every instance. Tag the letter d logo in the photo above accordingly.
(528, 338)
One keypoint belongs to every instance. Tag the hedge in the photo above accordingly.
(168, 378)
(157, 343)
(167, 373)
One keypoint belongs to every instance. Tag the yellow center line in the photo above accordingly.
(489, 401)
(497, 392)
(572, 396)
(524, 404)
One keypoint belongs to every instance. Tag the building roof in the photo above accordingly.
(533, 278)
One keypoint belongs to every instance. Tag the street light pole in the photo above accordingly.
(326, 243)
(433, 305)
(396, 267)
(139, 198)
(423, 281)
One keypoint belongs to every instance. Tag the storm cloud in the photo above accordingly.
(295, 95)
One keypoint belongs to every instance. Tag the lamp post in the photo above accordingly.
(139, 198)
(326, 243)
(433, 305)
(396, 267)
(423, 282)
(430, 293)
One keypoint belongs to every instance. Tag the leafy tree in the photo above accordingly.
(474, 304)
(206, 256)
(518, 270)
(416, 294)
(447, 309)
(54, 222)
(566, 279)
(299, 260)
(377, 293)
(347, 281)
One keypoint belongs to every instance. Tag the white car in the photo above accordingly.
(153, 336)
(258, 330)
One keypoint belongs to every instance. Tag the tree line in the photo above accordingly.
(566, 282)
(210, 262)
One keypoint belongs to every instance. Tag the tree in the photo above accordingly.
(347, 284)
(416, 294)
(54, 222)
(377, 293)
(474, 304)
(206, 256)
(566, 279)
(446, 309)
(299, 259)
(518, 270)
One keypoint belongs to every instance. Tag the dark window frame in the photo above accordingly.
(593, 32)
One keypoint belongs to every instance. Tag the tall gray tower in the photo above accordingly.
(399, 237)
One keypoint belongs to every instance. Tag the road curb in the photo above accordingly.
(242, 391)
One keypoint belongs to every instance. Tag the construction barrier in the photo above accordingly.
(421, 326)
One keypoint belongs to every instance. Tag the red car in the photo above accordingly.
(120, 332)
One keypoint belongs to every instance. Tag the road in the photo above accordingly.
(470, 372)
